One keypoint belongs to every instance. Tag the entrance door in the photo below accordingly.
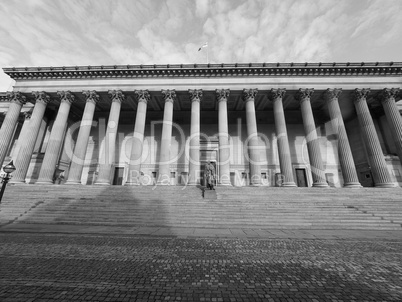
(301, 177)
(206, 156)
(204, 180)
(366, 179)
(118, 176)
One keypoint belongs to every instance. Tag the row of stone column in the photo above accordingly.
(381, 175)
(376, 159)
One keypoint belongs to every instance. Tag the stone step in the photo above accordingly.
(185, 207)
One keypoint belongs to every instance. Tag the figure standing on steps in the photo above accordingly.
(209, 174)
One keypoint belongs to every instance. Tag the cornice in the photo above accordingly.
(208, 70)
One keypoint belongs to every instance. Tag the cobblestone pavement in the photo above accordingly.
(63, 267)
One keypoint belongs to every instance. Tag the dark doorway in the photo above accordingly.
(366, 178)
(118, 176)
(204, 180)
(301, 178)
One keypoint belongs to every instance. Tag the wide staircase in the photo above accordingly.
(174, 206)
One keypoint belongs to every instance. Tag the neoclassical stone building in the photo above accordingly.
(282, 124)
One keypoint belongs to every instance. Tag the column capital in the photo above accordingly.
(277, 94)
(66, 96)
(116, 95)
(142, 96)
(195, 95)
(331, 94)
(249, 94)
(388, 95)
(91, 96)
(304, 94)
(41, 97)
(222, 94)
(27, 114)
(16, 97)
(361, 94)
(169, 95)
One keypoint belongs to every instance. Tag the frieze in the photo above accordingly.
(209, 70)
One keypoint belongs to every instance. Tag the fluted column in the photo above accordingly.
(387, 97)
(253, 150)
(164, 166)
(77, 162)
(223, 136)
(381, 175)
(108, 156)
(56, 139)
(25, 153)
(194, 160)
(134, 172)
(313, 145)
(10, 121)
(350, 178)
(23, 133)
(285, 161)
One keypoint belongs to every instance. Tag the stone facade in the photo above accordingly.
(289, 125)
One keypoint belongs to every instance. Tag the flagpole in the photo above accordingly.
(207, 54)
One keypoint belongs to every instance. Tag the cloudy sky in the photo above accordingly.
(109, 32)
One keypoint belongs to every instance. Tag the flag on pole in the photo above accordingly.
(205, 45)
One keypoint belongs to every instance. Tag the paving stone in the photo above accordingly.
(79, 267)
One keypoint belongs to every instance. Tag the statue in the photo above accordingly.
(209, 175)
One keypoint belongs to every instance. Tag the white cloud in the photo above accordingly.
(101, 32)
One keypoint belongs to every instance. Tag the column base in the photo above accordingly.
(128, 184)
(352, 185)
(17, 181)
(288, 185)
(225, 184)
(163, 184)
(44, 182)
(73, 182)
(320, 185)
(102, 183)
(385, 185)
